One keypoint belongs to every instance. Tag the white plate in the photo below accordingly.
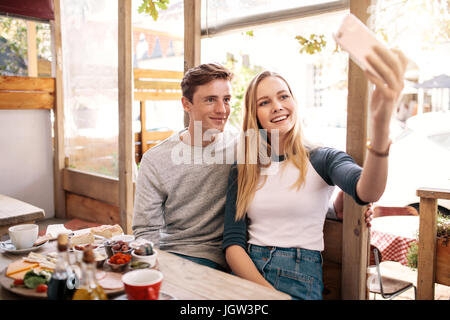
(88, 230)
(8, 247)
(123, 237)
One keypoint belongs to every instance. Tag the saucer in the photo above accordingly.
(8, 247)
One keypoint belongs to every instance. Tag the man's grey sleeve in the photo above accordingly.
(148, 204)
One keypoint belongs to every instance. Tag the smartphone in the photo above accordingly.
(354, 37)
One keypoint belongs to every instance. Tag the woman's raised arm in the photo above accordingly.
(391, 65)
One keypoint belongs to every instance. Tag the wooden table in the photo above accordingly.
(185, 280)
(13, 211)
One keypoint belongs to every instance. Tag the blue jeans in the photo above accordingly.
(202, 261)
(295, 271)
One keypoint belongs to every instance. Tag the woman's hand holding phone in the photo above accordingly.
(382, 66)
(391, 66)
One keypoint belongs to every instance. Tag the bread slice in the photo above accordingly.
(107, 231)
(42, 239)
(84, 238)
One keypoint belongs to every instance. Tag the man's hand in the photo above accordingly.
(339, 209)
(369, 215)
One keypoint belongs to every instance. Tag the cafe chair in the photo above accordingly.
(381, 211)
(387, 287)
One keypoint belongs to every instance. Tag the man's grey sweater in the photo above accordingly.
(180, 196)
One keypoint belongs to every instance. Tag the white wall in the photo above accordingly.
(26, 157)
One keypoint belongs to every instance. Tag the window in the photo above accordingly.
(319, 81)
(90, 64)
(14, 42)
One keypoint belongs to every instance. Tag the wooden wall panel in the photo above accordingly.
(443, 262)
(332, 259)
(91, 185)
(26, 92)
(84, 208)
(332, 234)
(26, 100)
(16, 83)
(331, 280)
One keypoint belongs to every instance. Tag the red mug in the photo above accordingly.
(143, 284)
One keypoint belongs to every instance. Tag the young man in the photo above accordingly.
(181, 184)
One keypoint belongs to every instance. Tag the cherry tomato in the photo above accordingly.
(41, 288)
(18, 282)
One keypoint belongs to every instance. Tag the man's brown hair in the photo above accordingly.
(201, 75)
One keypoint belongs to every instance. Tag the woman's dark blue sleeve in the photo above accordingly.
(337, 168)
(235, 232)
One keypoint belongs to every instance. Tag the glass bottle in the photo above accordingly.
(64, 281)
(89, 288)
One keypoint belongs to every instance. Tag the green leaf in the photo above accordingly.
(149, 7)
(142, 7)
(33, 282)
(314, 44)
(32, 279)
(161, 5)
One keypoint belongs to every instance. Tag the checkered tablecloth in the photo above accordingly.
(392, 247)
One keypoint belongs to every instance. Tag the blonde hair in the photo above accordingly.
(249, 172)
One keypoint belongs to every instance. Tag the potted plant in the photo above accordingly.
(442, 251)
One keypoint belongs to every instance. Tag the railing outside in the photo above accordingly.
(426, 260)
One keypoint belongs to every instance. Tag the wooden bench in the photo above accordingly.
(13, 212)
(155, 85)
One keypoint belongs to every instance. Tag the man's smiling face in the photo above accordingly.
(210, 104)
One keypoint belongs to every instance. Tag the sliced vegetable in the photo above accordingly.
(139, 265)
(33, 282)
(120, 258)
(41, 288)
(18, 282)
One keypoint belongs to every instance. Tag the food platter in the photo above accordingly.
(108, 278)
(7, 282)
(8, 247)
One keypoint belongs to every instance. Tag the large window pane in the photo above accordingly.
(14, 47)
(319, 81)
(89, 35)
(158, 45)
(420, 154)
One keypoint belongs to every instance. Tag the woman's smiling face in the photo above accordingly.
(275, 105)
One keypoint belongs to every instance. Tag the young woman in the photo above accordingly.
(274, 219)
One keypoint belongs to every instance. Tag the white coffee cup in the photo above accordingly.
(23, 236)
